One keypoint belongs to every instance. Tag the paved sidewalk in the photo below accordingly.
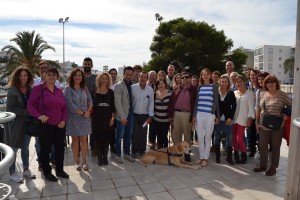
(155, 182)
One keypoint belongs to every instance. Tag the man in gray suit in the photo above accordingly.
(124, 115)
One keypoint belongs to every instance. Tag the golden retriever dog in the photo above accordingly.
(170, 156)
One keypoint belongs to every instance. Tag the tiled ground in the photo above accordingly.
(155, 182)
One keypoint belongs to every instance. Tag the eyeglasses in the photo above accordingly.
(271, 81)
(185, 77)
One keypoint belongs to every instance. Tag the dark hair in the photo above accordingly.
(144, 72)
(112, 69)
(186, 73)
(137, 67)
(217, 73)
(261, 74)
(201, 81)
(88, 59)
(71, 78)
(15, 81)
(52, 69)
(159, 80)
(43, 62)
(242, 78)
(128, 68)
(271, 77)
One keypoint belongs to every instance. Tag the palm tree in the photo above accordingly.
(288, 64)
(28, 52)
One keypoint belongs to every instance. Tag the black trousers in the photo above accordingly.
(161, 130)
(139, 136)
(252, 137)
(54, 136)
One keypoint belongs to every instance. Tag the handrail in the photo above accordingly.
(8, 159)
(296, 122)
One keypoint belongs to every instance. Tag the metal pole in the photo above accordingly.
(64, 74)
(293, 171)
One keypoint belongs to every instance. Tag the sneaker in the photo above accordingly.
(129, 158)
(62, 174)
(51, 177)
(15, 178)
(27, 173)
(118, 159)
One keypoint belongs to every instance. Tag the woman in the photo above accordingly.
(103, 116)
(227, 104)
(195, 81)
(243, 117)
(19, 88)
(53, 113)
(260, 77)
(272, 103)
(206, 111)
(161, 75)
(160, 120)
(79, 105)
(177, 80)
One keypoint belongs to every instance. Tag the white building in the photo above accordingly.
(270, 58)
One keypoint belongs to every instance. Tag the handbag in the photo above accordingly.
(34, 126)
(270, 121)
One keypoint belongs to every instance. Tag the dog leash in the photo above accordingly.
(169, 154)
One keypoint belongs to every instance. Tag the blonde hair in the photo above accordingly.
(98, 78)
(219, 82)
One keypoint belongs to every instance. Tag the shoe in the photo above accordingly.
(259, 169)
(15, 178)
(198, 162)
(51, 177)
(53, 164)
(251, 155)
(27, 173)
(78, 166)
(85, 167)
(204, 163)
(129, 158)
(94, 152)
(118, 159)
(62, 174)
(271, 171)
(152, 146)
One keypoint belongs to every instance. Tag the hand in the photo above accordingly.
(285, 117)
(249, 122)
(61, 124)
(217, 121)
(79, 112)
(194, 120)
(148, 120)
(86, 114)
(228, 122)
(111, 122)
(43, 118)
(124, 122)
(258, 126)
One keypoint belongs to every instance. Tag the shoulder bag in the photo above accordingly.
(270, 121)
(34, 126)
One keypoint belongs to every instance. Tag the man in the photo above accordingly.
(229, 68)
(233, 76)
(113, 73)
(151, 79)
(124, 115)
(91, 85)
(143, 108)
(42, 67)
(137, 70)
(170, 75)
(181, 109)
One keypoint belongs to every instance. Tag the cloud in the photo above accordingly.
(120, 32)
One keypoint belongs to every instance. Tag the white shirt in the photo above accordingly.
(38, 81)
(244, 107)
(142, 99)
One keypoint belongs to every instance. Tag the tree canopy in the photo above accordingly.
(188, 43)
(27, 52)
(239, 58)
(288, 64)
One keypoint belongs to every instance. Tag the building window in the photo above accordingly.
(280, 66)
(270, 58)
(279, 58)
(269, 66)
(270, 50)
(280, 50)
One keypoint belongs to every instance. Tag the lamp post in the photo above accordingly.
(63, 21)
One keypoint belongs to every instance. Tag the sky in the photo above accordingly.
(119, 32)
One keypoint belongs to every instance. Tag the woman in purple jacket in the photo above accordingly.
(53, 113)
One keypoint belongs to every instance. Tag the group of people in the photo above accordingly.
(143, 104)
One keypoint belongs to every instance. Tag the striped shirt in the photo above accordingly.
(161, 108)
(205, 99)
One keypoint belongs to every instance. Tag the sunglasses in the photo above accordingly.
(185, 77)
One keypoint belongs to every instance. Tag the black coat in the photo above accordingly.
(228, 106)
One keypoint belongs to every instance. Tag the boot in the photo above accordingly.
(218, 154)
(237, 157)
(105, 152)
(187, 157)
(229, 156)
(99, 154)
(244, 158)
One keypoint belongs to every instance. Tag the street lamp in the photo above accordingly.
(63, 21)
(158, 17)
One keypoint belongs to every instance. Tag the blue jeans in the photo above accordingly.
(38, 150)
(24, 154)
(125, 133)
(222, 128)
